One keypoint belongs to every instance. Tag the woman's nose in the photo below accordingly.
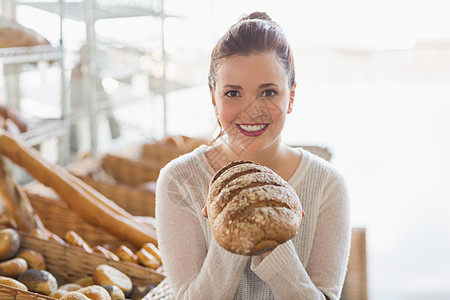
(259, 111)
(252, 111)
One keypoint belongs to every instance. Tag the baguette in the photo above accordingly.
(87, 202)
(18, 204)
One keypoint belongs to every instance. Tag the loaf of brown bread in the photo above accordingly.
(251, 209)
(13, 34)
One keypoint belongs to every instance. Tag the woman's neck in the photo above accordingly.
(279, 157)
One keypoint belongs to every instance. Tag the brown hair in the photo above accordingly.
(255, 33)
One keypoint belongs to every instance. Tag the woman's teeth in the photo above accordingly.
(252, 128)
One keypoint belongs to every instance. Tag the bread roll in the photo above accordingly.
(39, 281)
(85, 281)
(13, 34)
(251, 209)
(74, 296)
(75, 240)
(153, 250)
(53, 237)
(34, 259)
(58, 293)
(106, 253)
(13, 283)
(145, 258)
(115, 292)
(107, 275)
(139, 292)
(95, 292)
(13, 267)
(9, 243)
(126, 254)
(87, 202)
(70, 287)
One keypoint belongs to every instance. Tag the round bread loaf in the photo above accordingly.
(39, 281)
(13, 283)
(107, 275)
(251, 209)
(74, 296)
(13, 267)
(13, 34)
(70, 287)
(58, 293)
(85, 281)
(9, 243)
(115, 292)
(95, 292)
(35, 260)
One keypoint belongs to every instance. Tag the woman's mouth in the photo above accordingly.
(252, 129)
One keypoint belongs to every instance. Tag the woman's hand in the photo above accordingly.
(265, 254)
(205, 212)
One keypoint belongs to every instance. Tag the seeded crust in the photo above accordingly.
(251, 209)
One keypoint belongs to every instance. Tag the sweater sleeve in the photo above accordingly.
(193, 270)
(326, 268)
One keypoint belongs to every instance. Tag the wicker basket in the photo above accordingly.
(162, 291)
(9, 293)
(124, 176)
(139, 201)
(59, 218)
(131, 171)
(72, 263)
(168, 149)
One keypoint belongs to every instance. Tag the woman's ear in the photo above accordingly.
(213, 99)
(291, 98)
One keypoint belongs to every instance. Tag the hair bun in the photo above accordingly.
(256, 15)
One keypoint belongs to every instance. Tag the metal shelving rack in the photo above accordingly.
(88, 99)
(15, 62)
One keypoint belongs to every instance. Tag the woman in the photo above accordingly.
(252, 84)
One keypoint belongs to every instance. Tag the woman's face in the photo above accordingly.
(252, 99)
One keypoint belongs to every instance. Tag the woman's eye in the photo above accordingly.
(269, 93)
(232, 94)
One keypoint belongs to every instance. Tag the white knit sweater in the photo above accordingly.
(309, 266)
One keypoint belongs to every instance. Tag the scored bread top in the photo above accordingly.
(229, 172)
(251, 208)
(228, 166)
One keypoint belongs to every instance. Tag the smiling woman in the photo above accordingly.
(257, 105)
(252, 88)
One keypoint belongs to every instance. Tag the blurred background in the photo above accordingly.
(373, 87)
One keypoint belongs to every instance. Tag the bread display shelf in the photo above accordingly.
(42, 130)
(72, 263)
(30, 54)
(103, 9)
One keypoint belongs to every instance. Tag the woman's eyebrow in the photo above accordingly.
(232, 86)
(266, 85)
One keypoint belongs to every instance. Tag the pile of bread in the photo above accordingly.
(148, 255)
(92, 207)
(25, 269)
(12, 121)
(13, 34)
